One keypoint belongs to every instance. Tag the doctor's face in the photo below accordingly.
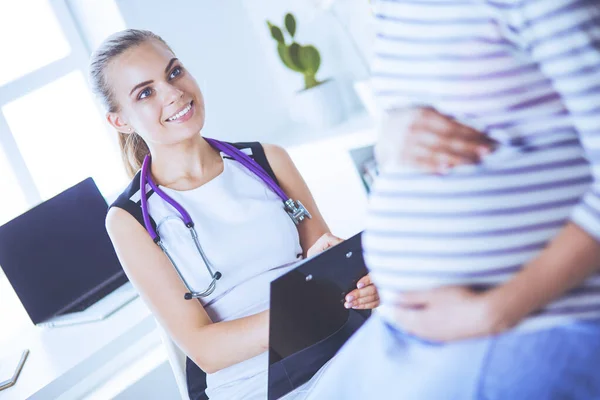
(158, 98)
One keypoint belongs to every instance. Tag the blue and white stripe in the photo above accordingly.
(526, 72)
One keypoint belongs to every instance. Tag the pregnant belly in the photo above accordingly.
(477, 225)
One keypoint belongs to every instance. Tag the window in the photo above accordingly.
(66, 141)
(13, 199)
(52, 133)
(29, 51)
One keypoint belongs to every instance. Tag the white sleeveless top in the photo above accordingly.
(249, 238)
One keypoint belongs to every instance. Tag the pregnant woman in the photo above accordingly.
(487, 271)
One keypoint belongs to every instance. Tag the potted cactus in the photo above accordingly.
(318, 103)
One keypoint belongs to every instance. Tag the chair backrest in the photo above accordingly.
(177, 359)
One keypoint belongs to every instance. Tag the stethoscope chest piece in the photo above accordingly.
(296, 211)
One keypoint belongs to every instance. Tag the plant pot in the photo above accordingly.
(319, 106)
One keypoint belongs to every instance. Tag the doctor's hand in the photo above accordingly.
(425, 139)
(447, 314)
(365, 296)
(323, 243)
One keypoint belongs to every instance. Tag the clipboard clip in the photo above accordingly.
(309, 277)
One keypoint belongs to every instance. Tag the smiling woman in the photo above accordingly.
(142, 105)
(157, 108)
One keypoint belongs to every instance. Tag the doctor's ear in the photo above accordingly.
(117, 122)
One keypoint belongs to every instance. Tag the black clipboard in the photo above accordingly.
(308, 321)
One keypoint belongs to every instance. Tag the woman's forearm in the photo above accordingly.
(568, 260)
(224, 344)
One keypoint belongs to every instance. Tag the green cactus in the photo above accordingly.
(303, 59)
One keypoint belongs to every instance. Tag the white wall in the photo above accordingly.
(228, 48)
(321, 28)
(215, 41)
(329, 171)
(96, 19)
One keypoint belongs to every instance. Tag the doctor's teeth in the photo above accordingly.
(181, 113)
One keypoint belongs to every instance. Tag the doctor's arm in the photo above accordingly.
(292, 183)
(315, 235)
(212, 346)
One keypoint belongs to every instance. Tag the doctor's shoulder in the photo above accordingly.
(281, 163)
(124, 220)
(125, 226)
(130, 240)
(275, 154)
(275, 160)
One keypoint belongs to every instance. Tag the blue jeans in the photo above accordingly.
(380, 362)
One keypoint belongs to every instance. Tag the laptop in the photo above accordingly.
(305, 334)
(60, 261)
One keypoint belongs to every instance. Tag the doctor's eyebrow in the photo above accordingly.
(139, 85)
(170, 63)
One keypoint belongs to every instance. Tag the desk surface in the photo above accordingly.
(60, 357)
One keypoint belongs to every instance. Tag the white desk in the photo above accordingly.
(66, 362)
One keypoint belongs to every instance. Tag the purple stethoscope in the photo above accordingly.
(295, 209)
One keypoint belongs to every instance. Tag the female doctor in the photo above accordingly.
(245, 237)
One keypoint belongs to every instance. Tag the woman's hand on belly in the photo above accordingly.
(425, 139)
(446, 314)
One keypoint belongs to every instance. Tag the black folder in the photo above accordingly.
(308, 321)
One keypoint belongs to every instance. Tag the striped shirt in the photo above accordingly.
(525, 72)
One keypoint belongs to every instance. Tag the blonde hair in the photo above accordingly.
(133, 147)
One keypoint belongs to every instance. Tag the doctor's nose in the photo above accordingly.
(172, 94)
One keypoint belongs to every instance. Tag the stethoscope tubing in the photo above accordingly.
(295, 210)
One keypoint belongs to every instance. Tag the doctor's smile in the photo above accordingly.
(182, 115)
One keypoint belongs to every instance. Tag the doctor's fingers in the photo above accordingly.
(365, 303)
(362, 297)
(327, 240)
(369, 290)
(364, 281)
(323, 243)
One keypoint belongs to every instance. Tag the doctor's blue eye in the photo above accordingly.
(175, 72)
(144, 93)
